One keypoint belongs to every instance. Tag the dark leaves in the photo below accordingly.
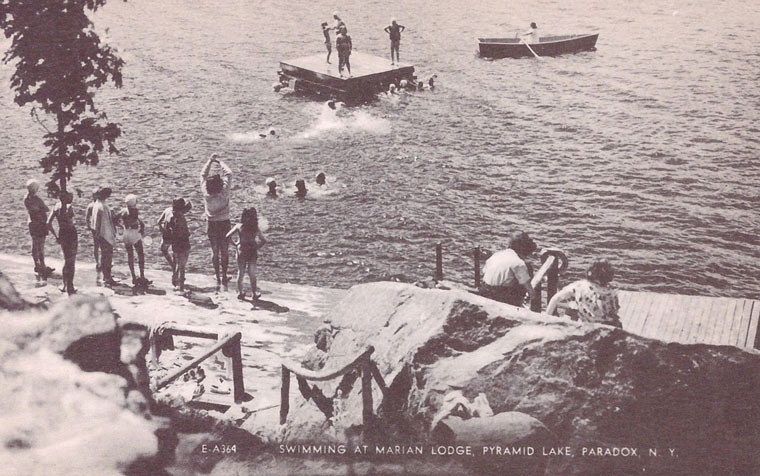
(60, 62)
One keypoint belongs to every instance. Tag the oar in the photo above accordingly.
(531, 49)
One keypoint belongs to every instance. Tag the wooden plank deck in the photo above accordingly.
(691, 319)
(362, 65)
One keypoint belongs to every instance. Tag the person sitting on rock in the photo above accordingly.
(594, 299)
(506, 276)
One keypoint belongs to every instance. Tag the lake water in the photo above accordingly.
(644, 151)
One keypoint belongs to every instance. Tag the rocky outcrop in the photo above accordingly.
(10, 299)
(589, 386)
(73, 394)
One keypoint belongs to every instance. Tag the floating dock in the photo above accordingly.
(369, 75)
(691, 319)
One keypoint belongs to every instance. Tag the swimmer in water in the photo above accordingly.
(270, 133)
(272, 185)
(331, 104)
(392, 89)
(301, 188)
(321, 179)
(402, 85)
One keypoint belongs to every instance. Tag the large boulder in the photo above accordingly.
(73, 394)
(593, 387)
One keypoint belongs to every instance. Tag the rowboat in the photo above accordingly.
(547, 46)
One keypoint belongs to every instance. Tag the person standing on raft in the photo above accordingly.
(328, 42)
(394, 31)
(344, 46)
(216, 198)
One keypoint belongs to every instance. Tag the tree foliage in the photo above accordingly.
(60, 62)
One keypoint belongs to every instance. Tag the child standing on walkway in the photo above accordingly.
(595, 299)
(134, 228)
(67, 237)
(180, 238)
(38, 229)
(166, 240)
(248, 238)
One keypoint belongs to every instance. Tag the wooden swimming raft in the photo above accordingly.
(691, 319)
(369, 75)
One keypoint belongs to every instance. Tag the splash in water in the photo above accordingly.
(340, 120)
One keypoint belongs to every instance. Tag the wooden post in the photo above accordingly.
(232, 350)
(366, 368)
(552, 280)
(284, 395)
(476, 259)
(535, 303)
(438, 262)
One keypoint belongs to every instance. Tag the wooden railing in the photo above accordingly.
(229, 345)
(362, 362)
(553, 260)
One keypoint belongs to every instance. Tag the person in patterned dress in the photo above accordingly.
(592, 298)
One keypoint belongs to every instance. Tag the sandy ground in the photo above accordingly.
(280, 325)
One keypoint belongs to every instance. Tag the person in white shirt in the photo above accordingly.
(506, 276)
(531, 36)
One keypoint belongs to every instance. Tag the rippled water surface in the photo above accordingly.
(644, 151)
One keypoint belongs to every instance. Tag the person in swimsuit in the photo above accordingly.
(134, 228)
(301, 189)
(344, 46)
(105, 233)
(166, 239)
(394, 31)
(216, 198)
(272, 186)
(67, 237)
(180, 238)
(247, 238)
(328, 42)
(95, 246)
(38, 229)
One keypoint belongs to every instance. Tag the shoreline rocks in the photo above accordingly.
(588, 386)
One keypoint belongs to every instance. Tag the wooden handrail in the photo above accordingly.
(545, 267)
(361, 362)
(232, 339)
(322, 376)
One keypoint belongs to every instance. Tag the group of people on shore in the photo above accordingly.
(507, 278)
(105, 226)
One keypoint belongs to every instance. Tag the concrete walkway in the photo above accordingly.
(281, 325)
